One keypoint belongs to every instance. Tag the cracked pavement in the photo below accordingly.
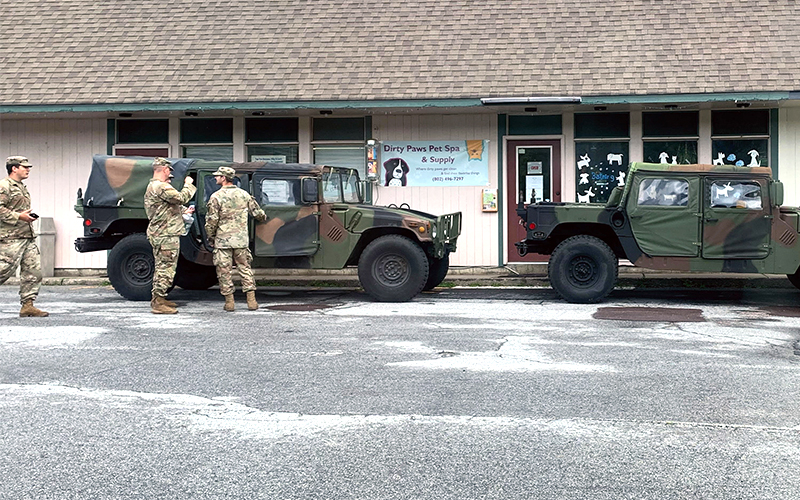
(462, 393)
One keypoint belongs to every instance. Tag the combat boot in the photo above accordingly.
(158, 306)
(29, 311)
(251, 301)
(229, 305)
(169, 303)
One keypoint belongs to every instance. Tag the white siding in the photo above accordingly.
(61, 151)
(478, 243)
(789, 154)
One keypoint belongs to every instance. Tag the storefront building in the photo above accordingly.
(526, 142)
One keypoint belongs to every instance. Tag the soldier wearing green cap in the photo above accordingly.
(226, 227)
(17, 238)
(164, 206)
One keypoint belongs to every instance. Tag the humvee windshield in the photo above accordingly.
(341, 185)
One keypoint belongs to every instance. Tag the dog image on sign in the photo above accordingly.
(396, 172)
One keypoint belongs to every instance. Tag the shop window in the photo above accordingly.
(339, 142)
(273, 140)
(670, 124)
(673, 152)
(670, 136)
(601, 153)
(534, 125)
(339, 129)
(271, 130)
(141, 151)
(602, 125)
(207, 138)
(740, 122)
(663, 193)
(206, 130)
(142, 131)
(341, 156)
(601, 165)
(740, 137)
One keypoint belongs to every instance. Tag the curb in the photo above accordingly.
(495, 277)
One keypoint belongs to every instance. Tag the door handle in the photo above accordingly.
(712, 220)
(634, 216)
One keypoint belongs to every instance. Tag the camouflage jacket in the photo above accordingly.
(164, 206)
(226, 221)
(14, 198)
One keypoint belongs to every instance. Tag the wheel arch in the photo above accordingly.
(570, 229)
(373, 234)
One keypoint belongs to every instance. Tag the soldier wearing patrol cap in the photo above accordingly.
(17, 237)
(226, 227)
(164, 206)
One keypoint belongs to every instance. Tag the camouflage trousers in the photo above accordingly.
(22, 253)
(166, 250)
(224, 258)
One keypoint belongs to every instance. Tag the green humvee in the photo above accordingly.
(316, 220)
(720, 218)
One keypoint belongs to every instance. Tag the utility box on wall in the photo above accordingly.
(45, 228)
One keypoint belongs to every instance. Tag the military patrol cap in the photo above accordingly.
(225, 172)
(18, 160)
(161, 162)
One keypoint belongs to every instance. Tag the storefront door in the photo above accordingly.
(533, 171)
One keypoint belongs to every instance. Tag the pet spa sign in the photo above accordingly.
(435, 163)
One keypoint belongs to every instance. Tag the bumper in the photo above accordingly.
(448, 229)
(93, 244)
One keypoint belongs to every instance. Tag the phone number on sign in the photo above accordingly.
(447, 179)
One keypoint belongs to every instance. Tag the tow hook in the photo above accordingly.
(522, 248)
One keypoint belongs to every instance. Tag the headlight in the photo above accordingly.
(433, 230)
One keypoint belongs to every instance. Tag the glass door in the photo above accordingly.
(533, 171)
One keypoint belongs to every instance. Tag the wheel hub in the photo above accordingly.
(582, 271)
(392, 270)
(139, 268)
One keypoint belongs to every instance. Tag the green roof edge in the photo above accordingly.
(377, 104)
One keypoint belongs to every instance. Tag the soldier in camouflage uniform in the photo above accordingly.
(226, 227)
(164, 206)
(17, 238)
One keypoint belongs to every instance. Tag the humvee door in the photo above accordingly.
(664, 211)
(292, 227)
(736, 218)
(206, 186)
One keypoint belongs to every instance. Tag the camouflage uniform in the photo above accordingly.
(226, 227)
(163, 204)
(18, 240)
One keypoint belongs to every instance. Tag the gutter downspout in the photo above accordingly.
(502, 131)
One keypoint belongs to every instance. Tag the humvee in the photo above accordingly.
(719, 218)
(317, 219)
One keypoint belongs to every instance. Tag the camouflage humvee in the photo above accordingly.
(680, 217)
(317, 220)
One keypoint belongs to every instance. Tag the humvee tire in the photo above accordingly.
(393, 269)
(794, 279)
(192, 276)
(437, 270)
(583, 269)
(131, 267)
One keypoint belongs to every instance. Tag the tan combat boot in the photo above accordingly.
(169, 303)
(251, 301)
(229, 305)
(158, 306)
(29, 311)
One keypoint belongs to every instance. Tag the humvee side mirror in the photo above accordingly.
(776, 193)
(310, 190)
